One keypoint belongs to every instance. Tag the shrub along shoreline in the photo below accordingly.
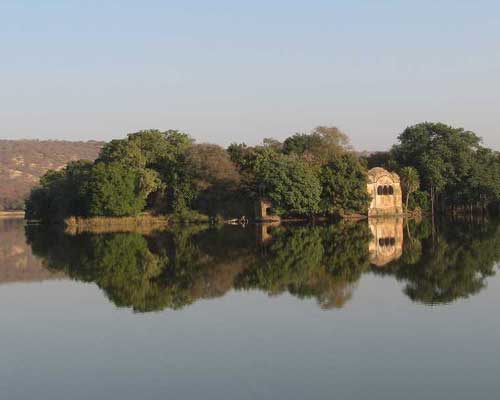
(12, 214)
(146, 223)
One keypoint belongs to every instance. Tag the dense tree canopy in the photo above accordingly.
(306, 174)
(322, 144)
(344, 182)
(289, 182)
(115, 190)
(451, 162)
(61, 193)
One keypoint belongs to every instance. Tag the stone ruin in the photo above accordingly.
(384, 187)
(263, 211)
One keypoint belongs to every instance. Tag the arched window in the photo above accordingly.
(379, 190)
(391, 190)
(385, 191)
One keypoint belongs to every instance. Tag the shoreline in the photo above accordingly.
(12, 214)
(141, 223)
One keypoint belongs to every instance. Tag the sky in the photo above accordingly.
(240, 71)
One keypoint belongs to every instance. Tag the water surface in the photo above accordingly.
(347, 311)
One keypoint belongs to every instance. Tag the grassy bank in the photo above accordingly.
(11, 214)
(140, 223)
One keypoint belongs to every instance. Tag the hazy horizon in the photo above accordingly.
(227, 72)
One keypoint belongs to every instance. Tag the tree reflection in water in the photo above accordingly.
(176, 268)
(450, 264)
(311, 262)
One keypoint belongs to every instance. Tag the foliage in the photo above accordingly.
(215, 180)
(383, 159)
(451, 164)
(410, 182)
(117, 191)
(419, 199)
(84, 189)
(344, 183)
(158, 151)
(289, 173)
(320, 146)
(289, 182)
(309, 173)
(61, 193)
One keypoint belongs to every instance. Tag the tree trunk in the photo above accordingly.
(432, 201)
(432, 207)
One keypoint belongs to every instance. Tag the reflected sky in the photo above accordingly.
(257, 331)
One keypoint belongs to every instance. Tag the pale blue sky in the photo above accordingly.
(241, 71)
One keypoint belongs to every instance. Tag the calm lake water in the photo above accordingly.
(372, 310)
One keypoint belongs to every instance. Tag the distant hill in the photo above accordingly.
(23, 162)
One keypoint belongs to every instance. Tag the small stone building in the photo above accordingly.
(386, 244)
(263, 211)
(385, 189)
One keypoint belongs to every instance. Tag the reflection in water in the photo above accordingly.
(264, 231)
(311, 262)
(175, 268)
(17, 263)
(386, 244)
(453, 263)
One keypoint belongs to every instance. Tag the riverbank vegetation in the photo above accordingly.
(143, 223)
(11, 214)
(316, 173)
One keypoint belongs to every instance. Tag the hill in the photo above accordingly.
(23, 162)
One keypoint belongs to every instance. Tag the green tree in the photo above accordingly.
(318, 147)
(113, 190)
(344, 183)
(289, 182)
(158, 151)
(410, 182)
(123, 151)
(442, 155)
(483, 183)
(60, 193)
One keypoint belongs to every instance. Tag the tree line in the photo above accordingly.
(315, 173)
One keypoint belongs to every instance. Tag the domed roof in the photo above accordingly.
(376, 173)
